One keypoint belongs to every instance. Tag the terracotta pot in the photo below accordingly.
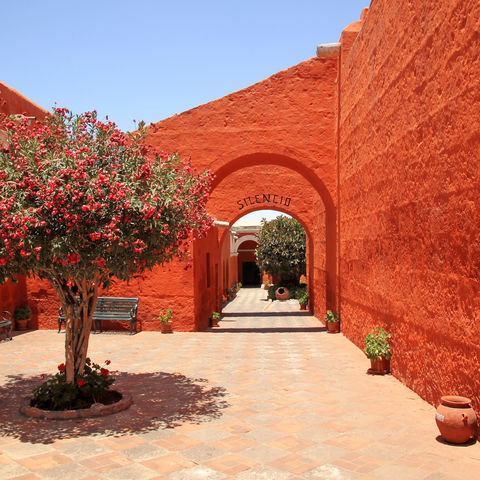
(379, 366)
(456, 419)
(282, 293)
(333, 327)
(21, 324)
(167, 328)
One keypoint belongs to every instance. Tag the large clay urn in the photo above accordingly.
(456, 419)
(282, 293)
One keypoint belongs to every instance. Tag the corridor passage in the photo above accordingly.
(267, 395)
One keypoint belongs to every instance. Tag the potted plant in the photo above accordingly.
(266, 284)
(303, 300)
(22, 315)
(165, 318)
(215, 318)
(332, 321)
(378, 351)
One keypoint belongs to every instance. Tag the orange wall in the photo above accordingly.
(13, 102)
(409, 196)
(207, 284)
(170, 286)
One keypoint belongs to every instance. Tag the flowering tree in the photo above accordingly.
(281, 249)
(81, 202)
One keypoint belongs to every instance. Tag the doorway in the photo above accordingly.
(250, 274)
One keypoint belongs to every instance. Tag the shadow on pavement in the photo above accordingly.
(266, 329)
(161, 400)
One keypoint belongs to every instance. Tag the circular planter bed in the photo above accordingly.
(113, 403)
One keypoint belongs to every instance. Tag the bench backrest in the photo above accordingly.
(115, 304)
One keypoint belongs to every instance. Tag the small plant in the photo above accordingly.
(22, 313)
(376, 344)
(224, 298)
(331, 316)
(58, 394)
(266, 284)
(303, 299)
(215, 317)
(165, 316)
(239, 286)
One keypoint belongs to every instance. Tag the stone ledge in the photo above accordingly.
(96, 410)
(327, 50)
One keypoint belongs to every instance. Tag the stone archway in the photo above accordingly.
(275, 182)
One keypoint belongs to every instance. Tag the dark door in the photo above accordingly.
(251, 274)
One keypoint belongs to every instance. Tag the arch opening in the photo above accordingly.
(268, 180)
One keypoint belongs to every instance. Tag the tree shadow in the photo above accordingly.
(160, 400)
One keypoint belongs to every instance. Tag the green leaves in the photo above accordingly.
(282, 249)
(376, 344)
(81, 200)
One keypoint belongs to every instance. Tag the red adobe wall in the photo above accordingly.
(286, 121)
(207, 268)
(170, 286)
(409, 177)
(13, 102)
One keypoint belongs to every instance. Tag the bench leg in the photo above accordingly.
(97, 323)
(134, 323)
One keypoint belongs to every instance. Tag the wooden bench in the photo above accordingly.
(6, 323)
(110, 308)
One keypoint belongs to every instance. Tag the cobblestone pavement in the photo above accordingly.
(268, 395)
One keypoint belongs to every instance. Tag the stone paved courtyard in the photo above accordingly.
(268, 395)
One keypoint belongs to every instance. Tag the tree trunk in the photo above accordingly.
(78, 303)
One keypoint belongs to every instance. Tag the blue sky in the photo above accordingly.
(149, 59)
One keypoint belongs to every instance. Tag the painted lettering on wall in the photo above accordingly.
(264, 198)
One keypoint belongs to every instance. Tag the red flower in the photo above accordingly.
(42, 375)
(62, 367)
(107, 362)
(104, 372)
(81, 382)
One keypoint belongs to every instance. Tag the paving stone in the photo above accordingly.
(71, 471)
(135, 471)
(263, 472)
(12, 469)
(199, 472)
(202, 453)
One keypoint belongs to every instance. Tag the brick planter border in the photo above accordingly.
(96, 410)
